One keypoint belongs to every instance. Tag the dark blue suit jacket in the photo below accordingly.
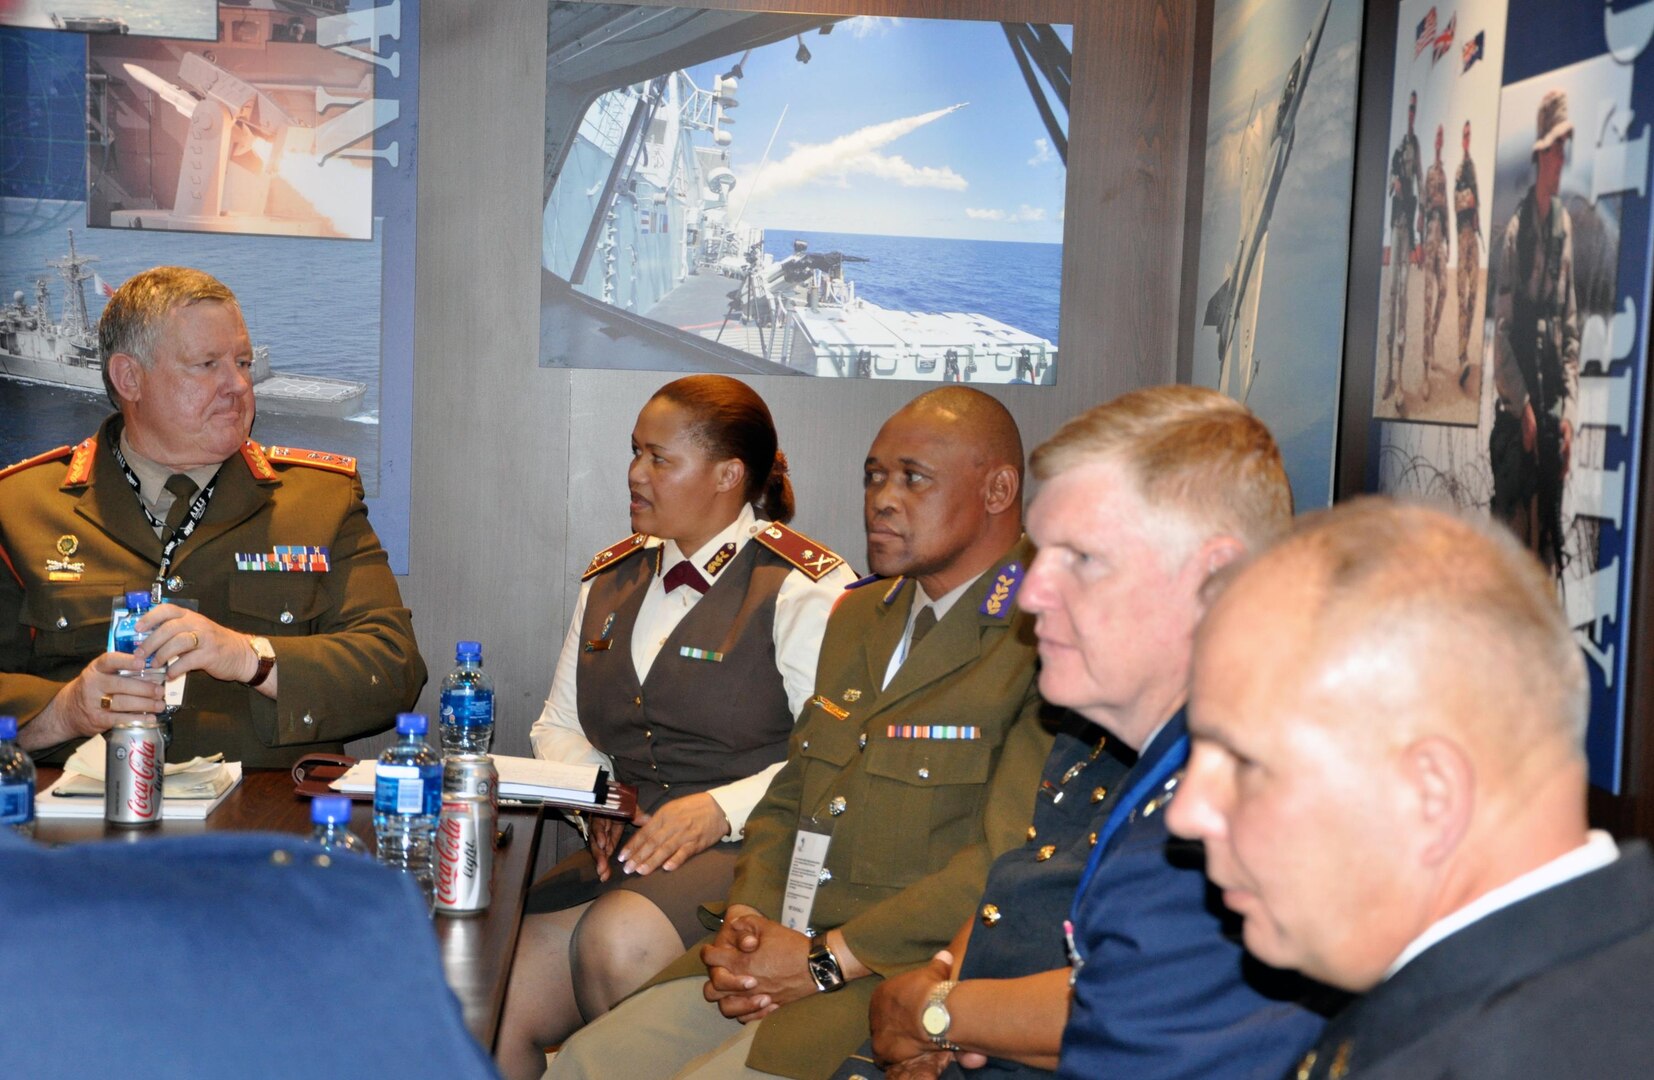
(1554, 986)
(1165, 991)
(224, 954)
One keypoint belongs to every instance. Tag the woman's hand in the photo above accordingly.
(602, 834)
(668, 837)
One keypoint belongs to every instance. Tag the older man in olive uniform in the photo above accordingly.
(1467, 206)
(1536, 349)
(913, 765)
(278, 609)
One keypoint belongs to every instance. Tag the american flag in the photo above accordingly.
(1473, 49)
(1426, 36)
(1444, 41)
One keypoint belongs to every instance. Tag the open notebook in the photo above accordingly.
(192, 790)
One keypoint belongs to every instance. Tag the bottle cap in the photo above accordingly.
(330, 810)
(137, 599)
(411, 723)
(468, 650)
(8, 727)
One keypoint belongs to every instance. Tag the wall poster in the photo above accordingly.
(767, 193)
(305, 209)
(1280, 153)
(1509, 369)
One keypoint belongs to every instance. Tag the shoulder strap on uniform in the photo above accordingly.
(316, 459)
(38, 459)
(613, 554)
(809, 557)
(257, 464)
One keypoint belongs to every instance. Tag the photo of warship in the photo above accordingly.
(644, 236)
(35, 348)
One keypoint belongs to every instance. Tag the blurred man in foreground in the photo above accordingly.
(1388, 712)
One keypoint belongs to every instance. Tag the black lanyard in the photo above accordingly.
(198, 510)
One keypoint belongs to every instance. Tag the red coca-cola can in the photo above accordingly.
(464, 855)
(471, 774)
(134, 767)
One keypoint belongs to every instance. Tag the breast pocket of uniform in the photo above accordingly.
(825, 753)
(70, 620)
(929, 793)
(277, 604)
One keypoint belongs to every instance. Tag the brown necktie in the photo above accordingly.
(183, 493)
(922, 625)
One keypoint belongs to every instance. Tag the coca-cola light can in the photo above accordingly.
(464, 855)
(134, 767)
(471, 774)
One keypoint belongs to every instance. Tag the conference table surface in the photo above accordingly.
(476, 951)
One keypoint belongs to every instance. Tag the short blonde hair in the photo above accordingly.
(1432, 578)
(133, 319)
(1193, 452)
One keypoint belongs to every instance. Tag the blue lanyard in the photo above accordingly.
(1175, 757)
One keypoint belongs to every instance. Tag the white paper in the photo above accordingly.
(804, 878)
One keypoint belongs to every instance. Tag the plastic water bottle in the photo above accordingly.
(127, 636)
(467, 703)
(407, 797)
(16, 781)
(330, 814)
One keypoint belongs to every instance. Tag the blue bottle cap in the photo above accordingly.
(411, 723)
(330, 810)
(136, 599)
(468, 650)
(8, 727)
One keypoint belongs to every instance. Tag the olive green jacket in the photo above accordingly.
(344, 644)
(921, 818)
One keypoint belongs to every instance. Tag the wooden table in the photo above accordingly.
(476, 951)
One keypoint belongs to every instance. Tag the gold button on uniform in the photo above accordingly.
(638, 700)
(1093, 839)
(990, 914)
(1032, 832)
(924, 773)
(838, 806)
(1099, 794)
(1045, 852)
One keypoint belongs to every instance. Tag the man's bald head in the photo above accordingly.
(977, 419)
(1387, 714)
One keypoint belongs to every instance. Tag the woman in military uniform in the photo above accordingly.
(692, 648)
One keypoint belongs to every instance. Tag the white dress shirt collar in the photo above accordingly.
(743, 528)
(1598, 851)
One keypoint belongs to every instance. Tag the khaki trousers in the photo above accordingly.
(668, 1030)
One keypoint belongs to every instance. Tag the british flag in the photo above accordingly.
(1444, 41)
(1426, 35)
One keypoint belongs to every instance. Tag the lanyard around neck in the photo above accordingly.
(198, 510)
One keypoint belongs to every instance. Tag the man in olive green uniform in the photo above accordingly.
(913, 766)
(1536, 349)
(1434, 255)
(1467, 205)
(277, 607)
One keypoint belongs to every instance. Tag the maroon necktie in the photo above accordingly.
(684, 573)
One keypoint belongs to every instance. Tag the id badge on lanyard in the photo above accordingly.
(804, 873)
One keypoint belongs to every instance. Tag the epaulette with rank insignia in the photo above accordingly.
(38, 459)
(815, 561)
(316, 459)
(613, 554)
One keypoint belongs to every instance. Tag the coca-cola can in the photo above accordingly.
(464, 855)
(134, 767)
(471, 774)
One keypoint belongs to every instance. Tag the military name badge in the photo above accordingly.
(998, 603)
(602, 643)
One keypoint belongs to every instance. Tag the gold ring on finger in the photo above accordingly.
(105, 702)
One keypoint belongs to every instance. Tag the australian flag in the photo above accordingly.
(1444, 41)
(1473, 49)
(1426, 36)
